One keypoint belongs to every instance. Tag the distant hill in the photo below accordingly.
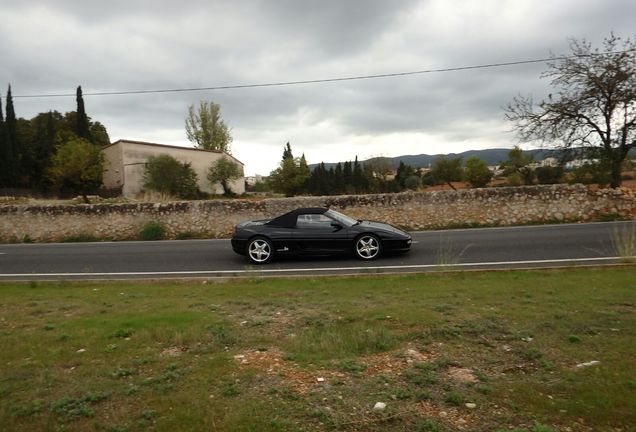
(490, 156)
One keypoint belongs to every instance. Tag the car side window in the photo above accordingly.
(313, 221)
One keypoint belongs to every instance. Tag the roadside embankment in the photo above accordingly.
(410, 210)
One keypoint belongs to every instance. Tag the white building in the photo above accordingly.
(125, 161)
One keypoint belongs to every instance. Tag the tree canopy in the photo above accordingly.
(593, 108)
(292, 175)
(517, 168)
(206, 129)
(77, 166)
(447, 170)
(223, 171)
(27, 145)
(476, 172)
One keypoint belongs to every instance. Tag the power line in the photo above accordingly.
(316, 81)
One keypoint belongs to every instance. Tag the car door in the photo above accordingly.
(314, 233)
(283, 239)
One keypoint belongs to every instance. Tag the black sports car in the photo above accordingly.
(316, 231)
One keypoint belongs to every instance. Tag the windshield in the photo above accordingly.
(343, 219)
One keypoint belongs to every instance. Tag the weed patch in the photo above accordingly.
(72, 408)
(152, 231)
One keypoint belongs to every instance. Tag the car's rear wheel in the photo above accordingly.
(367, 247)
(260, 250)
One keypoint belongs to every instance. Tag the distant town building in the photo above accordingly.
(125, 161)
(547, 162)
(252, 180)
(578, 163)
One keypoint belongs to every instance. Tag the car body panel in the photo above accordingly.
(316, 231)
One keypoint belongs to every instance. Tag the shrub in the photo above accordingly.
(413, 182)
(167, 175)
(152, 231)
(549, 174)
(590, 173)
(83, 237)
(186, 235)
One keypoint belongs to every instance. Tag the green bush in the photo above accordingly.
(152, 231)
(549, 174)
(592, 173)
(476, 172)
(165, 174)
(83, 237)
(186, 235)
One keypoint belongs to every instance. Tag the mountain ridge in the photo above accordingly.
(492, 156)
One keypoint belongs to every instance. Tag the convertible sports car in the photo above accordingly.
(316, 231)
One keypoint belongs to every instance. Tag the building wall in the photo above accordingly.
(134, 155)
(113, 167)
(410, 210)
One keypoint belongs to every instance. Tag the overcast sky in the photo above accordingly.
(53, 46)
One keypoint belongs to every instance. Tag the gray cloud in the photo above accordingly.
(51, 47)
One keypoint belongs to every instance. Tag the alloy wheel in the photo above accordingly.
(367, 247)
(259, 250)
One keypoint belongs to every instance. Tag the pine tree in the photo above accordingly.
(318, 181)
(287, 152)
(290, 177)
(347, 173)
(303, 172)
(339, 184)
(360, 184)
(82, 127)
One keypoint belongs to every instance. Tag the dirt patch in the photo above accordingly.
(462, 375)
(173, 351)
(393, 363)
(272, 363)
(458, 419)
(291, 375)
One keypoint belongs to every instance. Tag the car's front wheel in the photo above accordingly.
(260, 250)
(367, 247)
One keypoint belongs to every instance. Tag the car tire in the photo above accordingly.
(260, 250)
(367, 247)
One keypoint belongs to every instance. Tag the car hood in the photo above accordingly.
(384, 226)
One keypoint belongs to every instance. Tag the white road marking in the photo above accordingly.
(319, 269)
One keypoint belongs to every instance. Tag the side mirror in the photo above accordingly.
(336, 225)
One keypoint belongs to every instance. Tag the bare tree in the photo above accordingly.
(594, 107)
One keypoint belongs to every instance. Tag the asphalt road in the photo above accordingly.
(513, 247)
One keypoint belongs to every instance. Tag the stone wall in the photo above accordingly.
(411, 210)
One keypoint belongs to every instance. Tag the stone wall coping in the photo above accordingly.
(340, 201)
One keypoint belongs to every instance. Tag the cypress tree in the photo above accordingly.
(11, 149)
(82, 128)
(3, 143)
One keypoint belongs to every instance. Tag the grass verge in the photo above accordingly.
(524, 350)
